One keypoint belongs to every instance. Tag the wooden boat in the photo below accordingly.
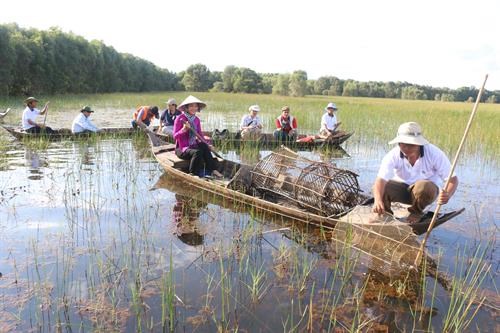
(62, 133)
(267, 140)
(3, 114)
(236, 182)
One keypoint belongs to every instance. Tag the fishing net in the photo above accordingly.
(317, 187)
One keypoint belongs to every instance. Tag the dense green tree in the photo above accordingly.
(413, 92)
(446, 97)
(246, 81)
(268, 82)
(228, 78)
(391, 90)
(196, 78)
(492, 99)
(351, 88)
(298, 84)
(336, 87)
(7, 59)
(281, 85)
(322, 84)
(217, 87)
(51, 61)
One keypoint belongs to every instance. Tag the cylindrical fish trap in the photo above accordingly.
(318, 187)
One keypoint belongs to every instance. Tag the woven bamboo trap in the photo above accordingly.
(318, 187)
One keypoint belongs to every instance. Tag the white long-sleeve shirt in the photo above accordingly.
(29, 114)
(328, 122)
(82, 123)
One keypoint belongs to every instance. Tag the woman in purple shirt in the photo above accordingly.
(188, 146)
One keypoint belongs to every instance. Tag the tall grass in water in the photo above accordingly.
(168, 298)
(465, 288)
(373, 119)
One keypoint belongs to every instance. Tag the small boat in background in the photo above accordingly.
(3, 114)
(62, 133)
(267, 140)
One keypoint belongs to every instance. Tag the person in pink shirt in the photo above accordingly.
(188, 145)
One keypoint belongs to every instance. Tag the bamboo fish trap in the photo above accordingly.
(318, 187)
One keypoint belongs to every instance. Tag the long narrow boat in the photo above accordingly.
(388, 241)
(235, 186)
(267, 140)
(66, 133)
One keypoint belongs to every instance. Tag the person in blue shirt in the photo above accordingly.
(168, 117)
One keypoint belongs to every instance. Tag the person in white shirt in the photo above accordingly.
(82, 123)
(251, 126)
(411, 173)
(30, 114)
(329, 123)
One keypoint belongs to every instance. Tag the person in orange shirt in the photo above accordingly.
(143, 116)
(286, 126)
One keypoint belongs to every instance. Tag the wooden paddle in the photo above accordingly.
(202, 139)
(438, 207)
(45, 108)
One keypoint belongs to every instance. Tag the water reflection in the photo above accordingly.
(186, 216)
(86, 152)
(34, 164)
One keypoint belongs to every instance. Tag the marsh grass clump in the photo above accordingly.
(39, 142)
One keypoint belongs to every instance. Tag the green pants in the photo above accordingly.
(419, 195)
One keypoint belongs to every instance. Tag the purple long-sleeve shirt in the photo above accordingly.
(182, 137)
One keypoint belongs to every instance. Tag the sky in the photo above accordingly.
(441, 43)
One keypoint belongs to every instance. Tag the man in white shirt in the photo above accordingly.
(82, 123)
(31, 113)
(329, 122)
(251, 126)
(411, 174)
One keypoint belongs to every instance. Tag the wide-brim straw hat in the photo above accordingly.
(30, 99)
(190, 100)
(255, 108)
(331, 106)
(86, 108)
(410, 133)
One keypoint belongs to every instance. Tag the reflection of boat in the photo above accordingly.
(268, 140)
(186, 213)
(386, 255)
(387, 249)
(66, 133)
(34, 164)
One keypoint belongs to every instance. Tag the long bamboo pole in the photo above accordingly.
(45, 108)
(438, 208)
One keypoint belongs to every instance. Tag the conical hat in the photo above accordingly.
(189, 100)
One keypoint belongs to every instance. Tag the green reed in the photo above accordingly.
(374, 120)
(465, 288)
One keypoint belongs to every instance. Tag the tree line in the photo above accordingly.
(55, 62)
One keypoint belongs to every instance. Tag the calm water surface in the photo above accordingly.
(94, 236)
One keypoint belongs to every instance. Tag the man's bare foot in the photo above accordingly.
(414, 218)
